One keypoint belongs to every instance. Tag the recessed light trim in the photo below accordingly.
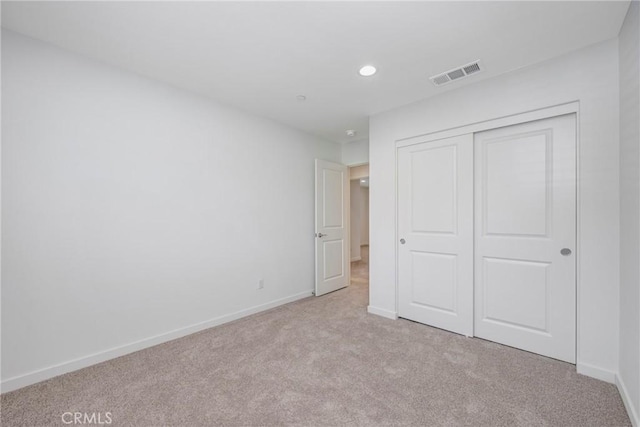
(301, 98)
(350, 132)
(367, 71)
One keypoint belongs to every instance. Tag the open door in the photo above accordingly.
(332, 243)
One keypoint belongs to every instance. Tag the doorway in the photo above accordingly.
(359, 224)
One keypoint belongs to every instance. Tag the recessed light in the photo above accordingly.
(301, 98)
(367, 71)
(351, 132)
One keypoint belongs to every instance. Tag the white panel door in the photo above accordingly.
(435, 228)
(332, 248)
(525, 236)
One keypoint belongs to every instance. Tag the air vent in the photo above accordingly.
(441, 79)
(456, 73)
(470, 69)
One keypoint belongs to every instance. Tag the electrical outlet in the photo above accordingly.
(260, 283)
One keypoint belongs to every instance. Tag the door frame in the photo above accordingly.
(499, 122)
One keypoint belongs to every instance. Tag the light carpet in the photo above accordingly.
(324, 361)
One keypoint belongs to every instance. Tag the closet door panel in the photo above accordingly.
(525, 236)
(435, 232)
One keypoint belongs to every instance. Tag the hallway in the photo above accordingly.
(360, 269)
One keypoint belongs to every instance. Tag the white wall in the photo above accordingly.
(355, 152)
(359, 204)
(355, 219)
(133, 209)
(590, 76)
(359, 209)
(629, 375)
(364, 224)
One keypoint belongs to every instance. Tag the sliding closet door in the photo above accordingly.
(525, 236)
(435, 232)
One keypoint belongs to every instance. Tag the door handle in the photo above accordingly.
(320, 235)
(402, 241)
(565, 251)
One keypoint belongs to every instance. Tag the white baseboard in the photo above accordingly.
(24, 380)
(356, 258)
(628, 404)
(595, 372)
(382, 312)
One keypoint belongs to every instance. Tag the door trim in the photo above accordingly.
(499, 122)
(572, 107)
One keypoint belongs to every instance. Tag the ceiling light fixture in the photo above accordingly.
(301, 98)
(363, 181)
(351, 132)
(367, 71)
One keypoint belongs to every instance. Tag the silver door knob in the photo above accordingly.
(320, 234)
(402, 241)
(565, 251)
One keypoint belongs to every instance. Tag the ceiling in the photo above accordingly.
(258, 56)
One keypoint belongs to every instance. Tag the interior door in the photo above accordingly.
(435, 231)
(332, 245)
(525, 236)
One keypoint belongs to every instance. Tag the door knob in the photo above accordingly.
(320, 234)
(565, 251)
(402, 241)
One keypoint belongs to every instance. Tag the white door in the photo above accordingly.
(525, 236)
(435, 232)
(332, 245)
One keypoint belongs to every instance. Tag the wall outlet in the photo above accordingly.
(260, 283)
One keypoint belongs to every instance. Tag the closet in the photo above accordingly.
(487, 235)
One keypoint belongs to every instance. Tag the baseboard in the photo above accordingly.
(595, 372)
(382, 312)
(628, 404)
(20, 381)
(356, 258)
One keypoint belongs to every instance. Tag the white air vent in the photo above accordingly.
(456, 73)
(471, 68)
(440, 80)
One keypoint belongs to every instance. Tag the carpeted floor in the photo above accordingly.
(360, 269)
(324, 361)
